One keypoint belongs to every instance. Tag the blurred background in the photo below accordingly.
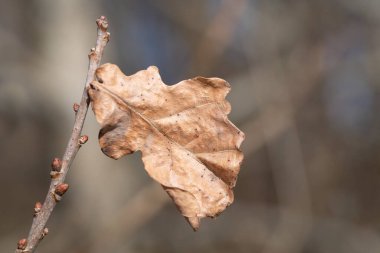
(305, 90)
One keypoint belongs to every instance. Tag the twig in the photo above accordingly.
(60, 167)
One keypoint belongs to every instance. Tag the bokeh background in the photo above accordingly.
(305, 90)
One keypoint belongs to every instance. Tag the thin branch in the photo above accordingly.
(60, 167)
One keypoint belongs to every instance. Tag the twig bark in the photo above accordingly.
(60, 167)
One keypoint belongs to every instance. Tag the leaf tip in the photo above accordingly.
(194, 222)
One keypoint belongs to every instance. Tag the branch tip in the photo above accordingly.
(102, 23)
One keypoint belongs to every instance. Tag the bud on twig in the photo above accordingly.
(57, 189)
(102, 23)
(83, 139)
(37, 208)
(56, 164)
(61, 189)
(22, 244)
(91, 53)
(108, 36)
(75, 107)
(44, 233)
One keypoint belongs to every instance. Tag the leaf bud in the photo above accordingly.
(22, 244)
(61, 189)
(56, 164)
(83, 139)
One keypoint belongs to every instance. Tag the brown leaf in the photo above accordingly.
(187, 142)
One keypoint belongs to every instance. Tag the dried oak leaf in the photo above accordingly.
(188, 144)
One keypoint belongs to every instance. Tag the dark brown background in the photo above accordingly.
(305, 90)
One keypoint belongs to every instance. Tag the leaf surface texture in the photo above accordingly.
(188, 144)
